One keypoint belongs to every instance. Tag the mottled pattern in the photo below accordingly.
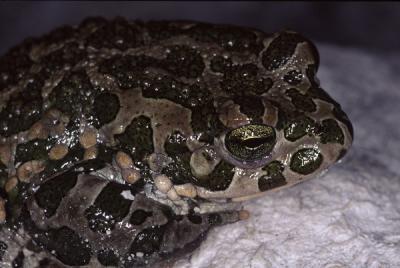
(123, 142)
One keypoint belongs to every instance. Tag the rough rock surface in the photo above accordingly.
(350, 216)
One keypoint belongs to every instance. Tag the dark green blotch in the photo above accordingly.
(330, 132)
(108, 257)
(317, 92)
(127, 70)
(22, 109)
(280, 50)
(74, 94)
(219, 179)
(299, 127)
(342, 117)
(205, 121)
(300, 101)
(34, 149)
(245, 72)
(179, 169)
(176, 144)
(69, 247)
(262, 86)
(274, 169)
(166, 87)
(285, 114)
(251, 106)
(106, 107)
(214, 219)
(68, 55)
(137, 139)
(274, 177)
(64, 243)
(266, 183)
(139, 216)
(293, 77)
(184, 61)
(243, 79)
(50, 193)
(109, 208)
(220, 64)
(3, 249)
(148, 241)
(306, 161)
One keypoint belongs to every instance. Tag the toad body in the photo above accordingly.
(122, 142)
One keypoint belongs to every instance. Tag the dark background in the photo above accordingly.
(374, 26)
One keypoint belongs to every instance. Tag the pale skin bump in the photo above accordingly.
(29, 169)
(186, 190)
(88, 138)
(53, 123)
(58, 151)
(5, 154)
(173, 195)
(130, 175)
(123, 160)
(90, 153)
(128, 171)
(38, 131)
(11, 184)
(163, 183)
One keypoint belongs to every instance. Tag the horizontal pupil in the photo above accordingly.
(254, 142)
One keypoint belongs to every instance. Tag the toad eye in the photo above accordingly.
(250, 142)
